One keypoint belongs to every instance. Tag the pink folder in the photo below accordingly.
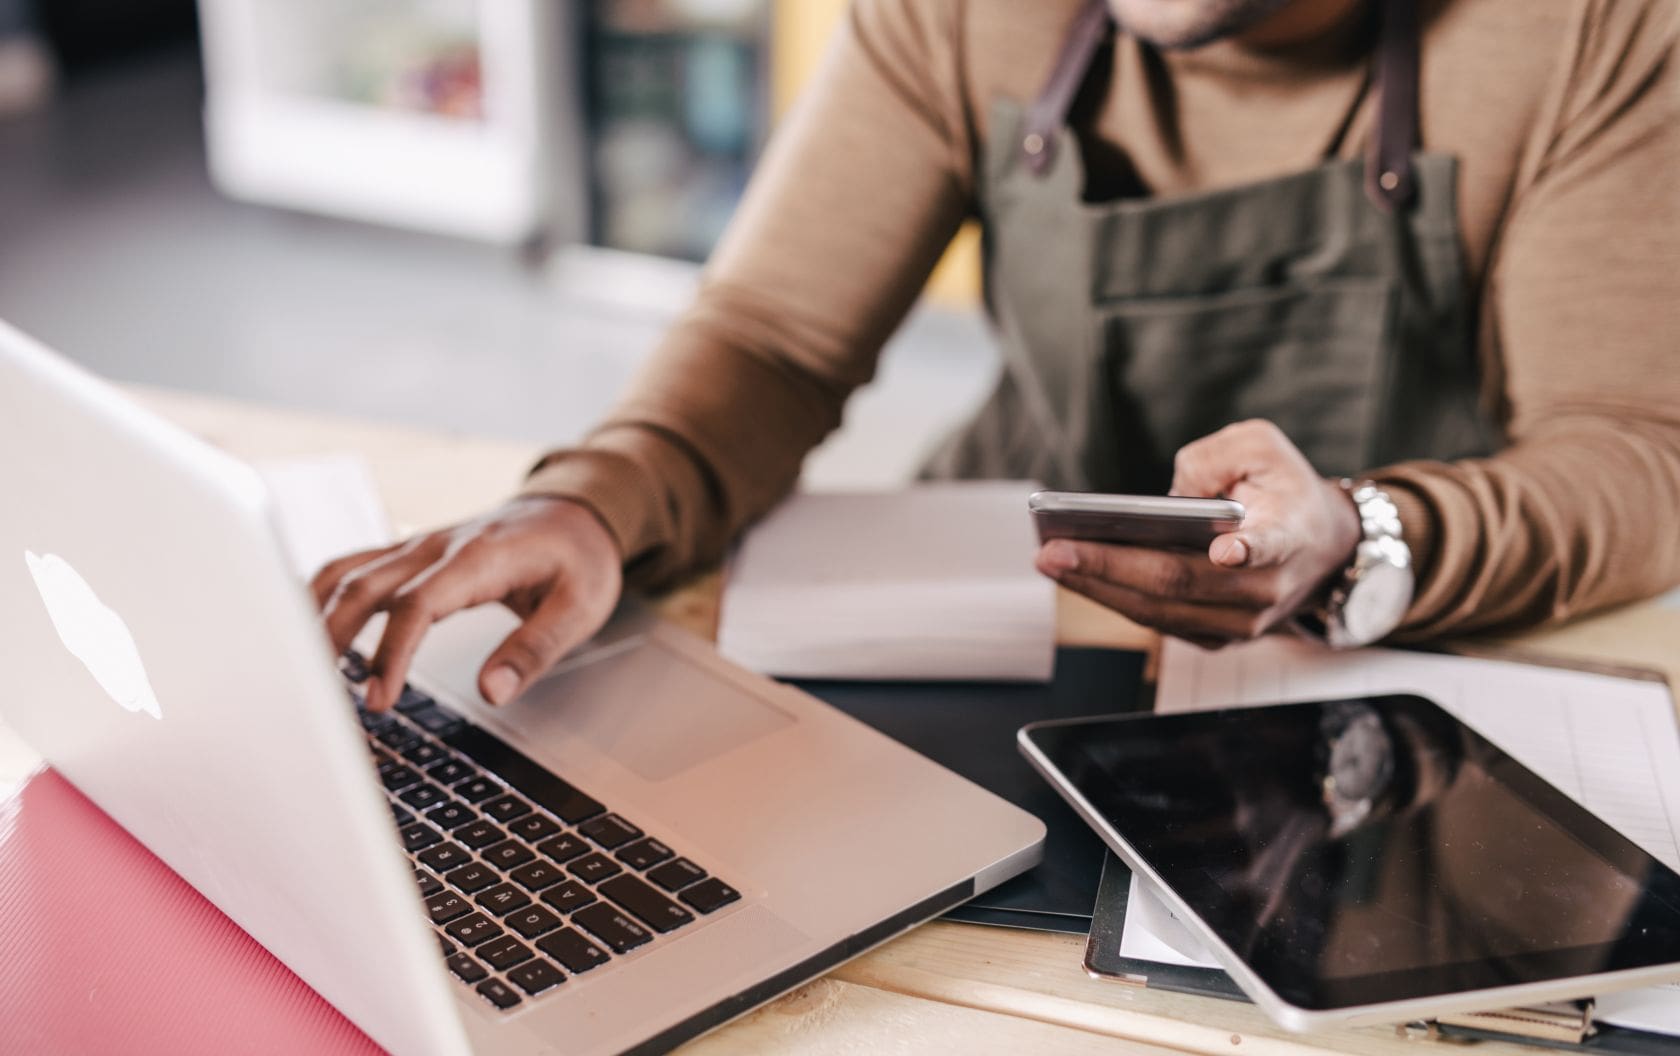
(106, 950)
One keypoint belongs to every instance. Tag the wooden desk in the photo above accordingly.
(943, 987)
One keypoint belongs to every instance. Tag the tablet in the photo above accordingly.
(1367, 860)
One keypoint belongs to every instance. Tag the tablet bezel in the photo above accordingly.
(1380, 997)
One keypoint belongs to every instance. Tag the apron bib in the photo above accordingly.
(1332, 302)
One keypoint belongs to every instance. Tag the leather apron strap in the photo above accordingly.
(1389, 181)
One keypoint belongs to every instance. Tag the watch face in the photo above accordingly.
(1377, 602)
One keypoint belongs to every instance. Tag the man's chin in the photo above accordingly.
(1185, 24)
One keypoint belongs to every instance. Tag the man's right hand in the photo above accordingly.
(550, 560)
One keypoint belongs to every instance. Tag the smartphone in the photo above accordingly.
(1162, 521)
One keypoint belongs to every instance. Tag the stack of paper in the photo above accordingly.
(934, 582)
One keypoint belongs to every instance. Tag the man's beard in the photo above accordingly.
(1190, 23)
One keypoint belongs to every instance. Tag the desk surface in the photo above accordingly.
(943, 987)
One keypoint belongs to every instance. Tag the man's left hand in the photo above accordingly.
(1299, 530)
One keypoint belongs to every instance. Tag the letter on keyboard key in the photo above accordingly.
(653, 908)
(506, 808)
(503, 899)
(503, 953)
(535, 977)
(467, 969)
(419, 836)
(533, 921)
(474, 929)
(473, 878)
(612, 927)
(498, 993)
(594, 868)
(445, 906)
(568, 897)
(445, 856)
(571, 949)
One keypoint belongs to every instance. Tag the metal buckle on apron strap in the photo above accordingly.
(1389, 180)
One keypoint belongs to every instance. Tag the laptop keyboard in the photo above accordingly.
(526, 879)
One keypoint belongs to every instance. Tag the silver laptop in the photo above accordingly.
(649, 843)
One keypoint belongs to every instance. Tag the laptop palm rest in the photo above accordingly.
(642, 706)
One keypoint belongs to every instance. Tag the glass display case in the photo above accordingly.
(455, 116)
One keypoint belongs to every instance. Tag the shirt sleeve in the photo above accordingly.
(1582, 509)
(856, 196)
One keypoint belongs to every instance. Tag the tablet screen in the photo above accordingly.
(1356, 852)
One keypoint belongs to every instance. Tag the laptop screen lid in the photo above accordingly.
(161, 655)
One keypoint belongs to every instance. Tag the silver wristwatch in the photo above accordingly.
(1373, 593)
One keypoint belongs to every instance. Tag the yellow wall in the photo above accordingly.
(800, 34)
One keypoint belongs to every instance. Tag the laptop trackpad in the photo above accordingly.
(648, 709)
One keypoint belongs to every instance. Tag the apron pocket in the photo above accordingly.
(1309, 358)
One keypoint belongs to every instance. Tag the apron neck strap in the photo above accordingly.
(1389, 180)
(1050, 110)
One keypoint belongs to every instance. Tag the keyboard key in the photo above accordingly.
(466, 969)
(651, 907)
(479, 834)
(418, 837)
(503, 953)
(434, 720)
(424, 797)
(446, 906)
(425, 753)
(709, 895)
(610, 831)
(402, 814)
(537, 875)
(676, 875)
(612, 927)
(644, 853)
(473, 878)
(536, 976)
(503, 899)
(354, 666)
(523, 774)
(571, 949)
(534, 827)
(533, 921)
(412, 700)
(451, 815)
(397, 737)
(563, 848)
(473, 929)
(444, 945)
(477, 790)
(507, 854)
(397, 778)
(498, 993)
(594, 868)
(569, 896)
(444, 856)
(448, 773)
(506, 808)
(429, 884)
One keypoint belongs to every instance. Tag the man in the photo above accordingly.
(1241, 247)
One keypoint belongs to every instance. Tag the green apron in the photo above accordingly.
(1332, 302)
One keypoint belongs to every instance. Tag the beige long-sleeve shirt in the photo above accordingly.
(1565, 115)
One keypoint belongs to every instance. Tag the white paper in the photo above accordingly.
(326, 507)
(932, 582)
(1612, 744)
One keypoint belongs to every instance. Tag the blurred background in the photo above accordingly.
(474, 215)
